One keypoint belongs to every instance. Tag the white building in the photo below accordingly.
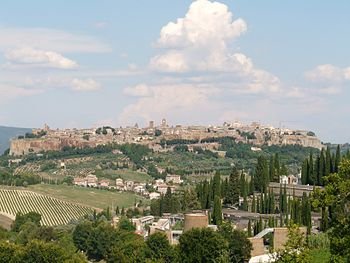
(176, 179)
(290, 179)
(154, 195)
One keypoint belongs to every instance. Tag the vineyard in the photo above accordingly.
(53, 211)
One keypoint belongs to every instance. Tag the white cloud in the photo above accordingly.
(8, 92)
(201, 43)
(174, 100)
(328, 79)
(85, 85)
(50, 39)
(39, 58)
(141, 90)
(206, 24)
(326, 72)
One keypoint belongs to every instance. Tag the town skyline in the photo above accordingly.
(191, 62)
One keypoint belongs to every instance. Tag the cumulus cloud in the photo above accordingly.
(85, 85)
(197, 66)
(201, 43)
(39, 58)
(153, 102)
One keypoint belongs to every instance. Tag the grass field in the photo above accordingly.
(320, 255)
(96, 198)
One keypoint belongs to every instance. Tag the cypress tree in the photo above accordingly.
(224, 187)
(217, 185)
(328, 162)
(210, 193)
(117, 212)
(272, 203)
(317, 171)
(281, 200)
(249, 229)
(232, 196)
(242, 183)
(253, 204)
(217, 211)
(272, 170)
(311, 175)
(337, 159)
(260, 224)
(277, 167)
(245, 204)
(304, 172)
(262, 206)
(261, 175)
(333, 163)
(321, 169)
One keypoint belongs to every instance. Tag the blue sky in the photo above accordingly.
(88, 63)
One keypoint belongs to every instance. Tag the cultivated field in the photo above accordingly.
(53, 211)
(90, 197)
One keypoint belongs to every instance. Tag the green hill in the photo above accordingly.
(6, 133)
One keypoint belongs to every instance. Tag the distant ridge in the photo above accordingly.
(6, 133)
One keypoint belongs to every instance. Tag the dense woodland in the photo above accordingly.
(94, 239)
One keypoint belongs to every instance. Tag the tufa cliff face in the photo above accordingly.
(20, 147)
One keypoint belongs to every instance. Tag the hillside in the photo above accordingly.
(6, 133)
(52, 210)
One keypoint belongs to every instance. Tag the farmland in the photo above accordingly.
(96, 198)
(52, 210)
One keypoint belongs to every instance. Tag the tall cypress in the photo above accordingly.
(217, 211)
(337, 159)
(321, 168)
(318, 173)
(261, 175)
(216, 185)
(311, 175)
(272, 203)
(277, 167)
(249, 229)
(304, 175)
(328, 162)
(272, 170)
(253, 209)
(232, 195)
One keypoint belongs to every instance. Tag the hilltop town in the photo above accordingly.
(156, 137)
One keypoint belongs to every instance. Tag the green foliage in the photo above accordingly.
(21, 219)
(261, 176)
(135, 152)
(295, 250)
(217, 211)
(239, 247)
(19, 179)
(125, 224)
(202, 245)
(318, 241)
(159, 249)
(157, 133)
(334, 204)
(232, 194)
